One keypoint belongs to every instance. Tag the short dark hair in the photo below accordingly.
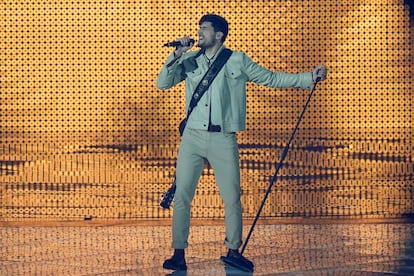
(219, 24)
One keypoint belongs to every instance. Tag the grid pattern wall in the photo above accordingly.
(86, 134)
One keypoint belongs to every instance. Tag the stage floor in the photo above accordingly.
(298, 248)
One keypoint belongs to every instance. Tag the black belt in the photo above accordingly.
(214, 128)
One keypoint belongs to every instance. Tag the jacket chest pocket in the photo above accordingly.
(194, 77)
(233, 78)
(232, 73)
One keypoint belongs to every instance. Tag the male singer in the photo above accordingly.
(210, 133)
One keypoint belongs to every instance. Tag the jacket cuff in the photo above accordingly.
(172, 59)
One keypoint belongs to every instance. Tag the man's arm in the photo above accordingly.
(172, 71)
(263, 76)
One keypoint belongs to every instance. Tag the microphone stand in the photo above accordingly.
(278, 167)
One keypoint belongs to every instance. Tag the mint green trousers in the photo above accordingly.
(221, 151)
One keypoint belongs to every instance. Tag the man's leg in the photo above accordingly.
(224, 158)
(190, 164)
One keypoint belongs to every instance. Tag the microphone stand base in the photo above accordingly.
(238, 264)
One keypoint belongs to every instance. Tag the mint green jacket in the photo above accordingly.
(230, 82)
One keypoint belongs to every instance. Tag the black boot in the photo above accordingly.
(235, 259)
(177, 261)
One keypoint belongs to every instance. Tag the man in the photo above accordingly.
(210, 132)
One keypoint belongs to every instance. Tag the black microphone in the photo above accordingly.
(177, 43)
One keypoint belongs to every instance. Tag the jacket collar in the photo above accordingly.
(202, 51)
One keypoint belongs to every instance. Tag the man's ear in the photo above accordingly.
(219, 35)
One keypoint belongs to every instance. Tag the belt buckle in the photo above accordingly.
(214, 128)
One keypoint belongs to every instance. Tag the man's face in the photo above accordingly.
(206, 35)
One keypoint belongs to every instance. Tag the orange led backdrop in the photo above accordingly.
(86, 134)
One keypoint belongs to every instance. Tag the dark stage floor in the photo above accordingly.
(307, 247)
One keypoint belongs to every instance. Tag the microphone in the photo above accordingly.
(177, 43)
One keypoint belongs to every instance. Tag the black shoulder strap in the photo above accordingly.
(208, 78)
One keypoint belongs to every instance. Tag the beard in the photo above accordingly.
(206, 43)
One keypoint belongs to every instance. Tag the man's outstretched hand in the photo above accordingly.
(319, 73)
